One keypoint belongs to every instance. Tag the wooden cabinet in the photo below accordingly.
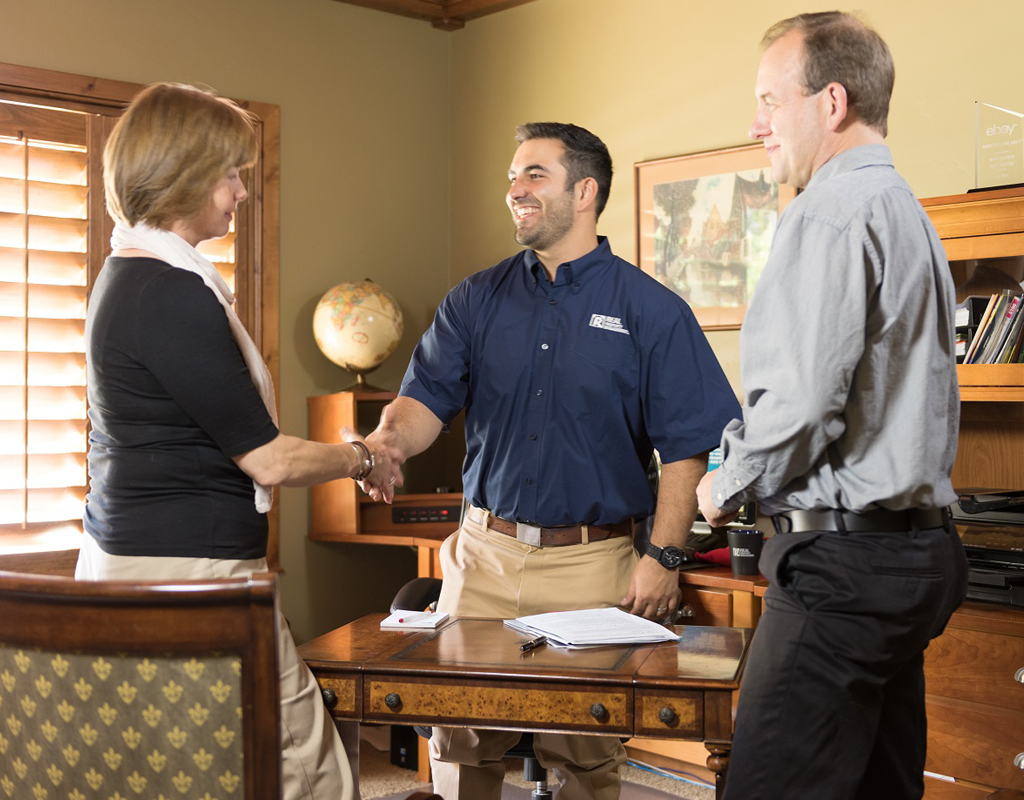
(974, 677)
(974, 671)
(425, 510)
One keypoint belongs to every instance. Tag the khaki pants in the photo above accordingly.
(314, 765)
(488, 574)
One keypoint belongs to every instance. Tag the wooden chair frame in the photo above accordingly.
(142, 618)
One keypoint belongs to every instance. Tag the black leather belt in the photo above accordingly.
(853, 521)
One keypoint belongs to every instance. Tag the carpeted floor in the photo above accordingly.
(381, 780)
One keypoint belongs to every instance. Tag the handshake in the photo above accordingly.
(381, 471)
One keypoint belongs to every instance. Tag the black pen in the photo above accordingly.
(533, 644)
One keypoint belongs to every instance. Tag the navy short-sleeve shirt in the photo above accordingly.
(568, 386)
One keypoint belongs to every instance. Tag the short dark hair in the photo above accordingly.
(585, 155)
(839, 47)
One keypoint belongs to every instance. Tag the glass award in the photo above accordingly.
(999, 147)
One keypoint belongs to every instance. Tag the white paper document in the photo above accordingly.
(414, 619)
(592, 627)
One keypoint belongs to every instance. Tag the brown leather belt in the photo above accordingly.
(879, 520)
(551, 537)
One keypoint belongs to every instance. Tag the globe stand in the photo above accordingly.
(361, 385)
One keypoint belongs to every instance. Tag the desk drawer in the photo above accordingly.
(976, 666)
(496, 704)
(711, 607)
(345, 695)
(975, 743)
(676, 714)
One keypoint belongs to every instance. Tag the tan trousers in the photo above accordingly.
(314, 764)
(488, 574)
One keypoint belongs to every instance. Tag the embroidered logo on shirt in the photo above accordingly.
(607, 323)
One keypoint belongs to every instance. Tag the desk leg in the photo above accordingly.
(349, 733)
(746, 609)
(423, 760)
(718, 763)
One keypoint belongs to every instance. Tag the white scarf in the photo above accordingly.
(178, 253)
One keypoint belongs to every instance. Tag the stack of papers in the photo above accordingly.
(414, 619)
(592, 627)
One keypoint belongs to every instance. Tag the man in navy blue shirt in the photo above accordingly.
(572, 366)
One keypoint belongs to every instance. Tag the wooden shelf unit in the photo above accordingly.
(340, 512)
(975, 699)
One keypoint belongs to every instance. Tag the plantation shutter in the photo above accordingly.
(44, 279)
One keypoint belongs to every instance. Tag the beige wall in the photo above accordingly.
(364, 187)
(658, 78)
(396, 138)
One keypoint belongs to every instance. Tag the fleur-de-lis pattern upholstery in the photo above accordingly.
(86, 726)
(139, 690)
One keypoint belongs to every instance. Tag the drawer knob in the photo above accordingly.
(392, 700)
(1019, 675)
(1019, 761)
(598, 711)
(667, 715)
(686, 610)
(330, 698)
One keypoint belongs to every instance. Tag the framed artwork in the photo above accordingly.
(704, 227)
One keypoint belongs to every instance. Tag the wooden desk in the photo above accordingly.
(470, 673)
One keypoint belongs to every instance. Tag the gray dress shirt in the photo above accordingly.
(847, 353)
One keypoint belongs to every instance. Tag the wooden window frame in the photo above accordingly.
(257, 290)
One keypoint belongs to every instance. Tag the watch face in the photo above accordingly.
(671, 557)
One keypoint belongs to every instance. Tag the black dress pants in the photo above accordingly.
(832, 700)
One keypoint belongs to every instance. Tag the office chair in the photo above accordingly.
(138, 689)
(422, 592)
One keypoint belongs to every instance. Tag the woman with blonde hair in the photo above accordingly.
(184, 447)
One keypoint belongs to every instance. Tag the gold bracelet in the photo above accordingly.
(368, 460)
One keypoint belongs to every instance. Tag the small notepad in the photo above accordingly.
(414, 619)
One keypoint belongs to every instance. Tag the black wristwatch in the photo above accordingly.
(669, 557)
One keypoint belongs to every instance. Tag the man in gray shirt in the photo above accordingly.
(848, 436)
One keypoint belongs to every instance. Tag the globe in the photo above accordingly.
(357, 325)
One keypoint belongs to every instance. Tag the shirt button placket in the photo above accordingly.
(542, 372)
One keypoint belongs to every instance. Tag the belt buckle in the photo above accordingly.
(528, 534)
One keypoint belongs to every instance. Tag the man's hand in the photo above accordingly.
(714, 516)
(653, 591)
(380, 484)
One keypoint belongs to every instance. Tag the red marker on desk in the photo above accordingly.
(424, 613)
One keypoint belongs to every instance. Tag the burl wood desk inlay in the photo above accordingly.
(471, 673)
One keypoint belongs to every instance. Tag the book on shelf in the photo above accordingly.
(983, 331)
(1011, 349)
(993, 353)
(998, 338)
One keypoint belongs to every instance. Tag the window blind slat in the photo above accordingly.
(44, 266)
(44, 302)
(56, 335)
(44, 436)
(44, 505)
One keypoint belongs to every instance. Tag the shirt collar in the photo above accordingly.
(865, 155)
(572, 272)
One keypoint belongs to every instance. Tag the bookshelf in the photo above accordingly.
(984, 231)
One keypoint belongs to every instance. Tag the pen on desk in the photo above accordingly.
(427, 613)
(533, 644)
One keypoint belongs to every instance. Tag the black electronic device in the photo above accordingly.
(991, 525)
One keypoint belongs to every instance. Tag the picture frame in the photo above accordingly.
(704, 226)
